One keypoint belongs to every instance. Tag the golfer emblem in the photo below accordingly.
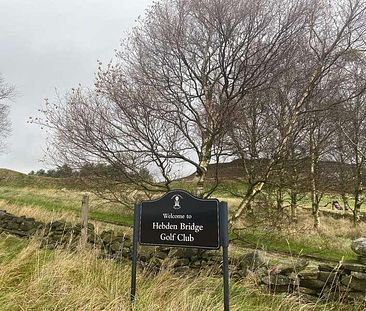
(177, 199)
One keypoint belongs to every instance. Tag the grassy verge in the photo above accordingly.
(327, 245)
(61, 202)
(318, 246)
(36, 279)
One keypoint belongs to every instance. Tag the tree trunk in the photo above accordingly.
(279, 201)
(342, 175)
(358, 197)
(201, 173)
(359, 186)
(293, 196)
(313, 168)
(345, 201)
(245, 204)
(316, 217)
(282, 146)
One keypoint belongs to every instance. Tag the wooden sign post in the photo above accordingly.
(182, 220)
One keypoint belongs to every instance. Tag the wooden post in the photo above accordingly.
(84, 218)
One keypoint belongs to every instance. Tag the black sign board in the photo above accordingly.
(179, 219)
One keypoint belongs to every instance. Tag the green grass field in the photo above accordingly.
(297, 240)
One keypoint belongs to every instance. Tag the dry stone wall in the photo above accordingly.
(21, 226)
(342, 281)
(359, 247)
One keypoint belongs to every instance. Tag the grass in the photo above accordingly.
(37, 279)
(331, 243)
(20, 180)
(312, 245)
(64, 201)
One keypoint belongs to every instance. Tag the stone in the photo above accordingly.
(330, 293)
(204, 264)
(127, 243)
(91, 237)
(308, 291)
(206, 254)
(277, 289)
(181, 262)
(260, 272)
(359, 275)
(115, 246)
(161, 255)
(289, 268)
(328, 267)
(57, 225)
(251, 261)
(308, 298)
(359, 246)
(354, 267)
(279, 280)
(297, 266)
(26, 226)
(107, 236)
(163, 249)
(154, 261)
(196, 264)
(309, 273)
(354, 283)
(216, 258)
(145, 253)
(343, 288)
(182, 270)
(56, 235)
(182, 252)
(362, 260)
(12, 226)
(241, 273)
(19, 220)
(18, 232)
(90, 226)
(126, 252)
(313, 284)
(357, 297)
(77, 229)
(328, 277)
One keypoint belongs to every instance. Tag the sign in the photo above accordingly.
(179, 219)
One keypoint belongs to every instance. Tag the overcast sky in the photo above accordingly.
(54, 44)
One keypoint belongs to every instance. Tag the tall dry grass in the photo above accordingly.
(46, 216)
(36, 279)
(38, 214)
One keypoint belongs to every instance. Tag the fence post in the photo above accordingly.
(84, 218)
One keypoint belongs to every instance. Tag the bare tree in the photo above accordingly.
(332, 31)
(200, 59)
(351, 143)
(175, 88)
(6, 93)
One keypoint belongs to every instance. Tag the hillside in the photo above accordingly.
(16, 179)
(296, 171)
(10, 177)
